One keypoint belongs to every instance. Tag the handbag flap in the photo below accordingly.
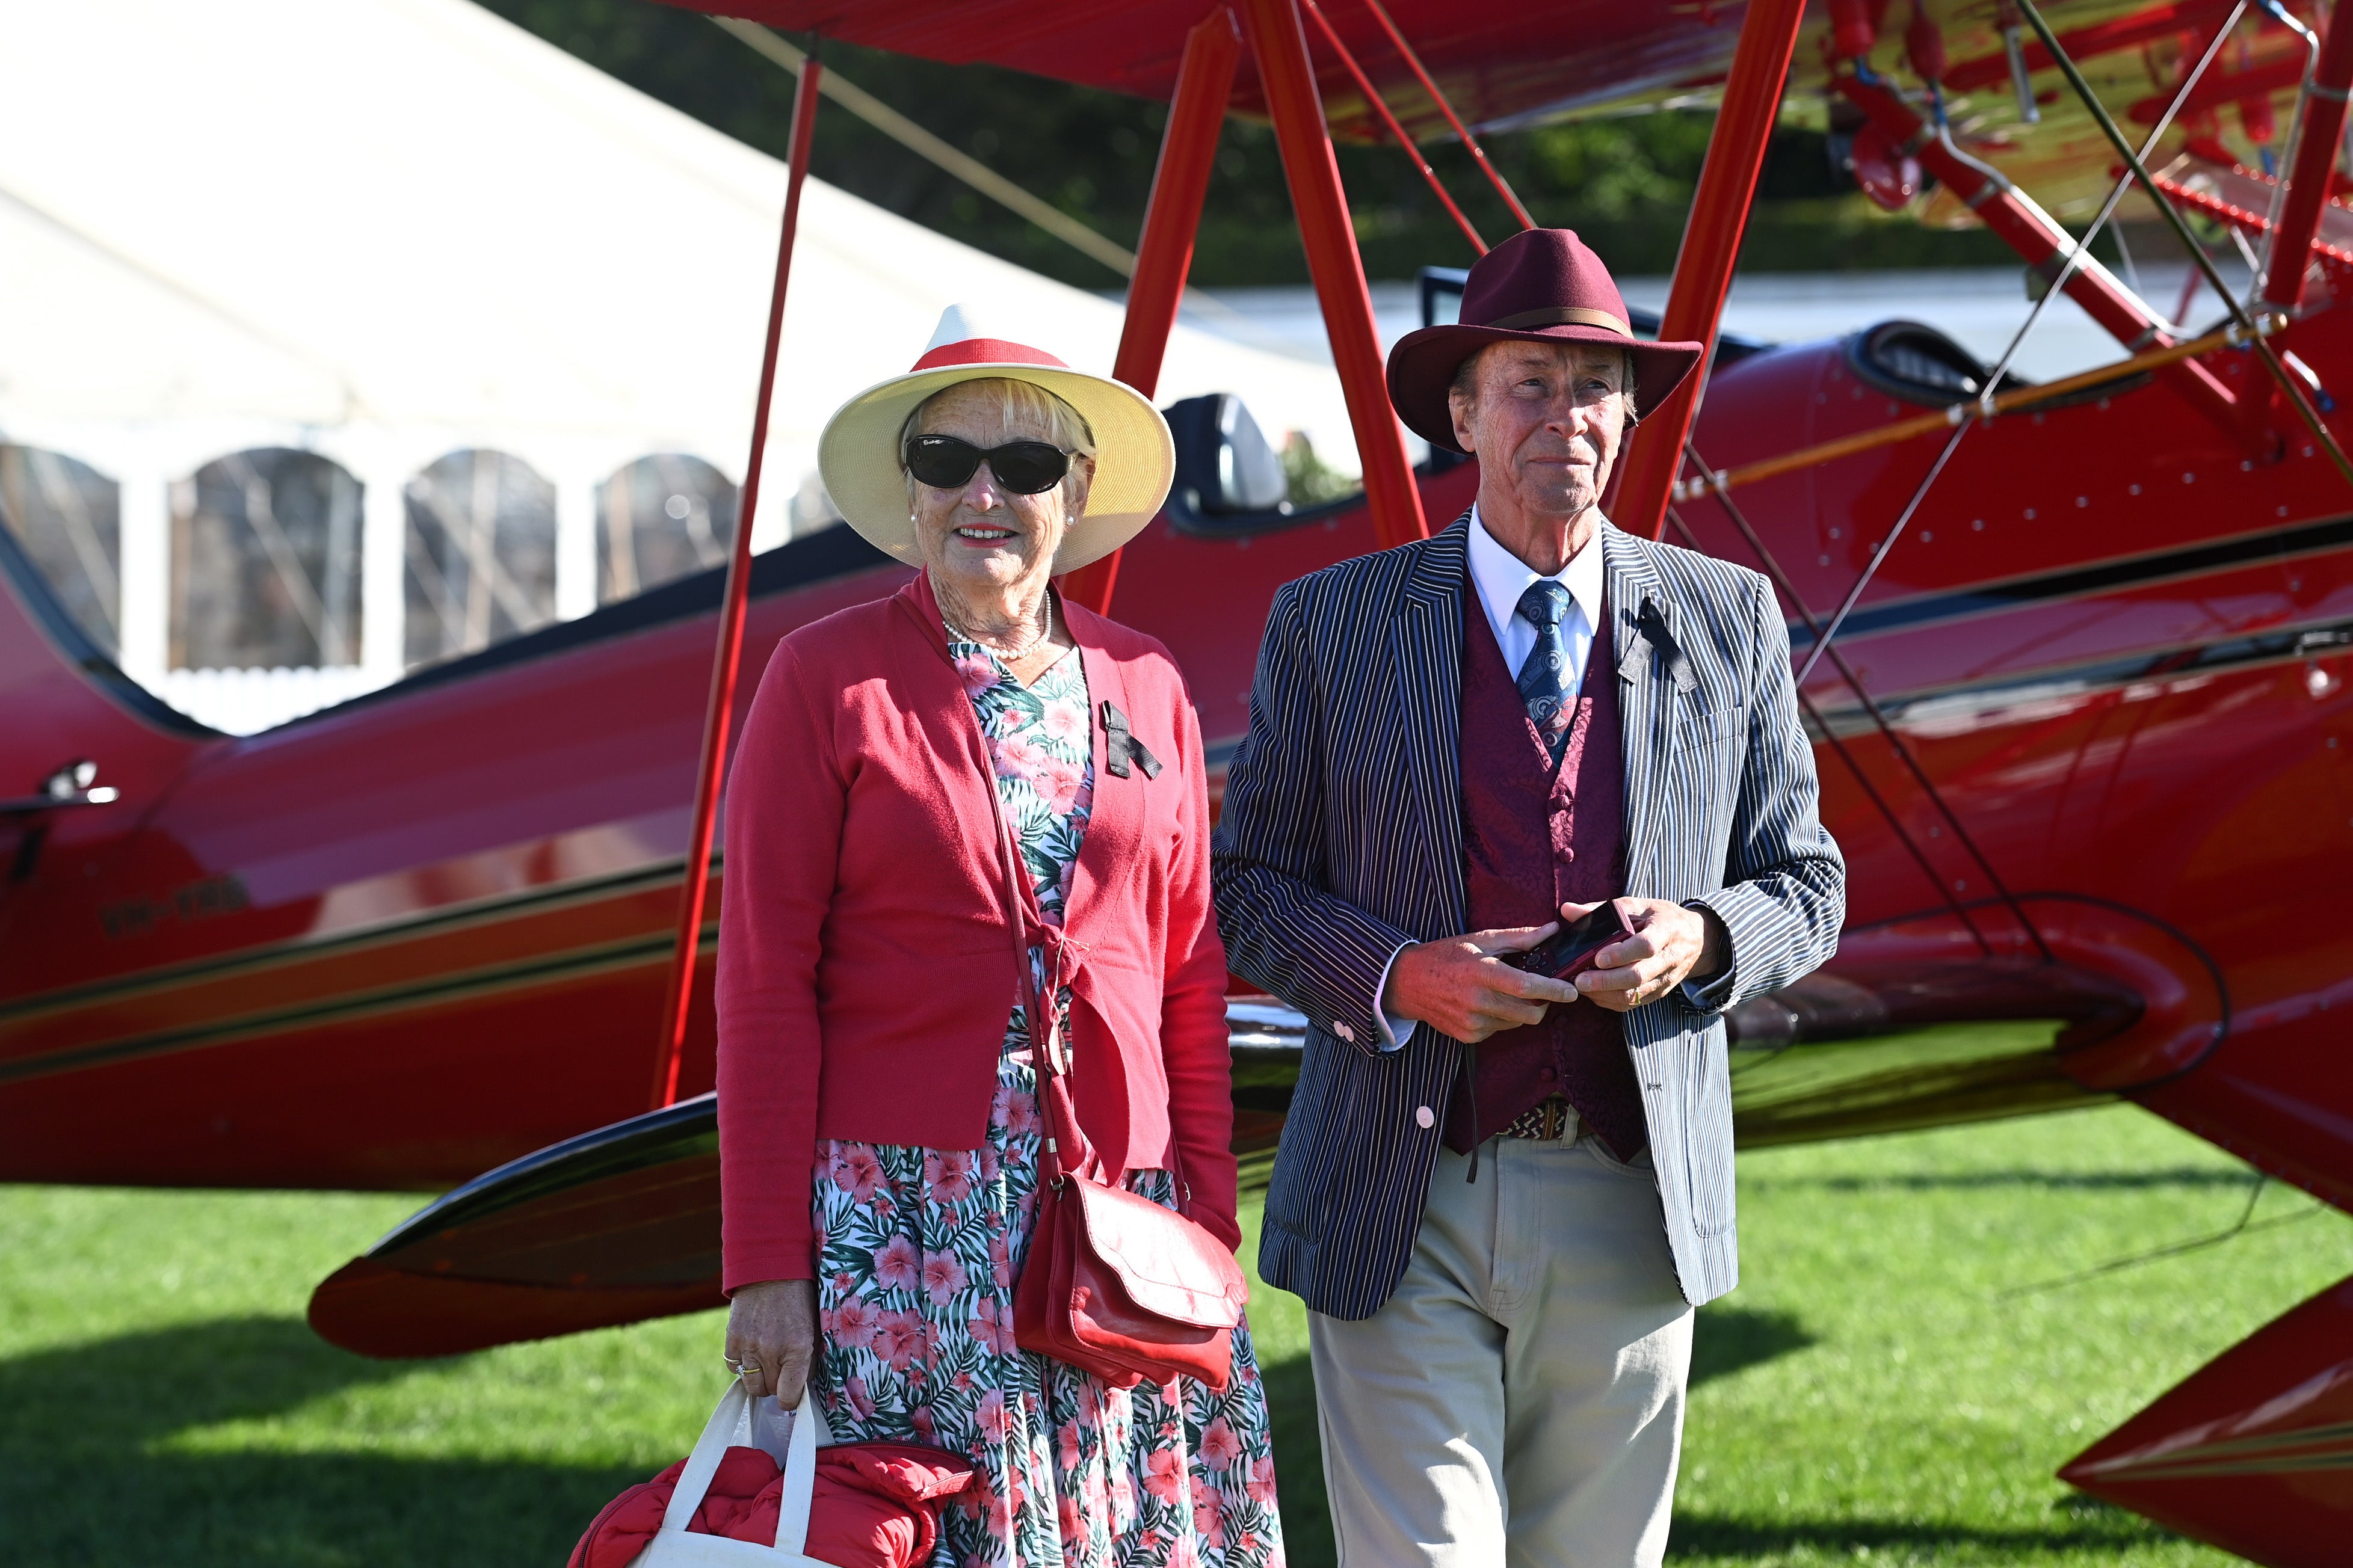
(1169, 1265)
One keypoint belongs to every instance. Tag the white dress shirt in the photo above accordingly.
(1498, 578)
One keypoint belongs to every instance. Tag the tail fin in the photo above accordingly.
(66, 700)
(2254, 1451)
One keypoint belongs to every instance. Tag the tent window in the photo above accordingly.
(480, 548)
(659, 518)
(266, 564)
(69, 518)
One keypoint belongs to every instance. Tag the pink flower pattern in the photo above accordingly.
(921, 1249)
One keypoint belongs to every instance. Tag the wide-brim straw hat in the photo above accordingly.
(1542, 285)
(857, 455)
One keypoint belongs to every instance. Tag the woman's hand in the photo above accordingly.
(772, 1326)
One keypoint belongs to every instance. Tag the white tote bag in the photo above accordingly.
(738, 1424)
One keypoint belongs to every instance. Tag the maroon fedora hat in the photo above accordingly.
(1542, 285)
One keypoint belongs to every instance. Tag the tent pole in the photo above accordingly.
(1330, 237)
(1188, 151)
(728, 658)
(1719, 214)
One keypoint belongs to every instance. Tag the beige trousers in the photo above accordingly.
(1520, 1399)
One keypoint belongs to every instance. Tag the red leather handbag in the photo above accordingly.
(1113, 1284)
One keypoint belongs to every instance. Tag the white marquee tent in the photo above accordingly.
(385, 230)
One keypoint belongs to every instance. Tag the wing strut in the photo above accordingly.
(2319, 142)
(1164, 254)
(728, 658)
(1333, 261)
(2287, 383)
(1727, 184)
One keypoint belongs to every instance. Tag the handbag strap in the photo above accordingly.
(1064, 1150)
(732, 1414)
(1027, 926)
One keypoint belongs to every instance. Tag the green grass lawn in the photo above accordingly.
(1868, 1393)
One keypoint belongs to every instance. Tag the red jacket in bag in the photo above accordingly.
(876, 1505)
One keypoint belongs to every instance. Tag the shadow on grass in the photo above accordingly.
(81, 1482)
(1726, 1338)
(1299, 1463)
(1966, 1181)
(1731, 1535)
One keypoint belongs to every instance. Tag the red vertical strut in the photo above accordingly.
(1188, 151)
(1330, 238)
(2316, 161)
(1727, 182)
(728, 658)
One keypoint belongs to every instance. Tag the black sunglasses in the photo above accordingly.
(947, 463)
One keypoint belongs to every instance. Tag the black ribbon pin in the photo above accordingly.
(1121, 746)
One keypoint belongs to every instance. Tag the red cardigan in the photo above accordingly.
(865, 972)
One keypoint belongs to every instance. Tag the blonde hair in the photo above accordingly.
(1019, 404)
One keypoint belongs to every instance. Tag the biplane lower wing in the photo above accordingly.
(622, 1223)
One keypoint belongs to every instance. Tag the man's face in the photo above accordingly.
(1545, 418)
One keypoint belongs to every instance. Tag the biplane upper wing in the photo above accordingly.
(1502, 65)
(1497, 61)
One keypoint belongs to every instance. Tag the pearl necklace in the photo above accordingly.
(1045, 630)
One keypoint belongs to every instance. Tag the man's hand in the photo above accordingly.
(774, 1325)
(1670, 945)
(1459, 987)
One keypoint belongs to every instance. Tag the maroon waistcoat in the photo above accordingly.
(1534, 837)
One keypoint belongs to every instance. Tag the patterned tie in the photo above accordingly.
(1543, 678)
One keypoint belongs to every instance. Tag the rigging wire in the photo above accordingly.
(1879, 556)
(2107, 210)
(2075, 258)
(777, 49)
(1886, 728)
(2287, 383)
(1430, 86)
(1381, 107)
(771, 45)
(1863, 779)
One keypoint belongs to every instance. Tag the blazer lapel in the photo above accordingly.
(1425, 657)
(1651, 670)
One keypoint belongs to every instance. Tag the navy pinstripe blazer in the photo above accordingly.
(1341, 839)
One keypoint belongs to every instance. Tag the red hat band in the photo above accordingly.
(985, 351)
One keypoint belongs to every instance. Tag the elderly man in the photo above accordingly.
(1500, 1192)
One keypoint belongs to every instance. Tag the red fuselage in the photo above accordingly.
(400, 941)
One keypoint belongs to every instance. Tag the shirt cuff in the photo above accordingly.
(1714, 994)
(1395, 1030)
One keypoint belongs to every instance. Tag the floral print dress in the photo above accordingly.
(919, 1249)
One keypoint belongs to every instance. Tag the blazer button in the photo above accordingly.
(1424, 1117)
(1344, 1031)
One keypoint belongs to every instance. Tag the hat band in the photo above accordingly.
(1563, 316)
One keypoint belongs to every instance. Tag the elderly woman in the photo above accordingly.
(879, 1113)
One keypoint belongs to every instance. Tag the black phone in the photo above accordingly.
(1569, 952)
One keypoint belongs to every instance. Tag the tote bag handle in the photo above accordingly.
(675, 1545)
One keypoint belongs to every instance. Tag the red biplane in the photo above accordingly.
(2076, 656)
